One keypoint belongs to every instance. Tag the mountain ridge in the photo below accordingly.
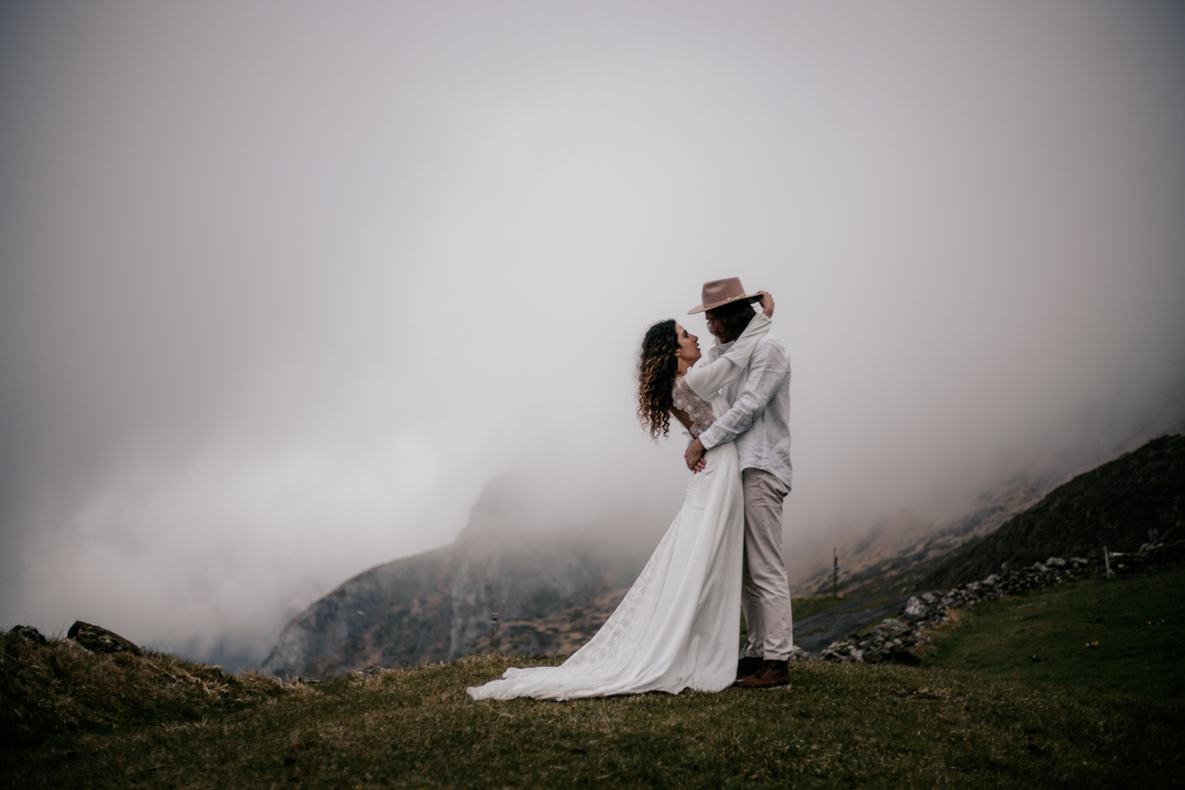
(533, 592)
(1113, 505)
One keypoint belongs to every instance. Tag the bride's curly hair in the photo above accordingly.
(656, 377)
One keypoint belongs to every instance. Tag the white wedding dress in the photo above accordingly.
(678, 627)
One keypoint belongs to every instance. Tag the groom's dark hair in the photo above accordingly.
(732, 318)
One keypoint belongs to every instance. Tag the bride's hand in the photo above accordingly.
(767, 304)
(694, 456)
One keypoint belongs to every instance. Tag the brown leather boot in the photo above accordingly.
(772, 675)
(749, 665)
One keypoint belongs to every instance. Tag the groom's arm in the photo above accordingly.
(709, 376)
(770, 364)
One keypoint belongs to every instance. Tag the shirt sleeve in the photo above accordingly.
(770, 365)
(707, 378)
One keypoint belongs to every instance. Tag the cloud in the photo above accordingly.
(285, 287)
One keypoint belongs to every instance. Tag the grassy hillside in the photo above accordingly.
(981, 712)
(1114, 505)
(61, 689)
(1124, 637)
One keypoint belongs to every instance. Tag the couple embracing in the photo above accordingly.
(678, 625)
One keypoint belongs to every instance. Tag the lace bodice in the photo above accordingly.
(698, 409)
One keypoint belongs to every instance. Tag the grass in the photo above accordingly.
(1125, 635)
(950, 723)
(61, 689)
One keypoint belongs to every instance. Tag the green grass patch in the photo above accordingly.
(1123, 635)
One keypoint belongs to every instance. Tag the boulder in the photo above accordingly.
(100, 640)
(30, 634)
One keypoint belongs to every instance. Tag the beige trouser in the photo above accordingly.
(765, 593)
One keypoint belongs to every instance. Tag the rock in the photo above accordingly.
(903, 656)
(889, 641)
(30, 634)
(798, 654)
(100, 640)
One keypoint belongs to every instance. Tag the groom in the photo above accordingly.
(758, 420)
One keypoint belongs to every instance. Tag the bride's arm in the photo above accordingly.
(682, 417)
(706, 380)
(685, 418)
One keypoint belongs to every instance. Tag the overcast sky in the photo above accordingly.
(283, 286)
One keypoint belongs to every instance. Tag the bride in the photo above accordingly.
(678, 626)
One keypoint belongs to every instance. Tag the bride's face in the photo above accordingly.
(688, 346)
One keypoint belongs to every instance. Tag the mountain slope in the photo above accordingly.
(1114, 505)
(551, 590)
(896, 554)
(550, 595)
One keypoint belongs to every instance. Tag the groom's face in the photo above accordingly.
(715, 327)
(728, 322)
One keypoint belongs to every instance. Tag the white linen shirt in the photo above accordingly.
(758, 418)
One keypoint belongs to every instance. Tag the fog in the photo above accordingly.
(285, 286)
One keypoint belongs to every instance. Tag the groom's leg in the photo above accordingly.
(751, 606)
(766, 577)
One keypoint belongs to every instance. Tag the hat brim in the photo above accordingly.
(714, 305)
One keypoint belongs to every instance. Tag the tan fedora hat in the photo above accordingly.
(721, 292)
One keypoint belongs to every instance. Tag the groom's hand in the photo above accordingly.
(767, 304)
(694, 456)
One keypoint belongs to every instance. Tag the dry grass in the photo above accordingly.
(838, 726)
(62, 688)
